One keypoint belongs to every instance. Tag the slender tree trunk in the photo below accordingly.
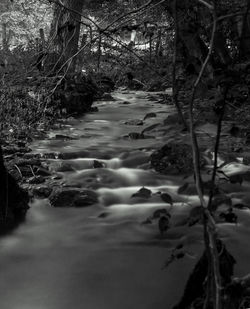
(158, 47)
(193, 47)
(245, 34)
(99, 55)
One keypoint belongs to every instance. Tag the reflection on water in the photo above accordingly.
(75, 258)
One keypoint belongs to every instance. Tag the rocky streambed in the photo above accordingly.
(92, 237)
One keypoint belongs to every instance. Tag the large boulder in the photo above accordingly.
(13, 200)
(72, 197)
(76, 94)
(104, 82)
(173, 159)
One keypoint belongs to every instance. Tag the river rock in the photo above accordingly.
(134, 122)
(98, 164)
(75, 94)
(41, 192)
(136, 135)
(71, 197)
(107, 97)
(9, 149)
(73, 155)
(173, 159)
(150, 115)
(61, 167)
(104, 83)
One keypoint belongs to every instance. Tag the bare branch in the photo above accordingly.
(208, 5)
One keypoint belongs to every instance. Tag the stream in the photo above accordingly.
(102, 256)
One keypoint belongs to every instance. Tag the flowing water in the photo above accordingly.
(63, 258)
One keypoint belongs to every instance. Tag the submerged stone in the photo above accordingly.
(71, 197)
(42, 191)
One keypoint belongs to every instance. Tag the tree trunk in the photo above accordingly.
(193, 47)
(65, 31)
(245, 34)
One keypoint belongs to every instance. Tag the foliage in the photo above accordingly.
(23, 19)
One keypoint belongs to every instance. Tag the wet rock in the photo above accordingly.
(35, 156)
(105, 83)
(142, 193)
(64, 167)
(75, 94)
(41, 192)
(63, 137)
(98, 164)
(136, 135)
(107, 97)
(134, 122)
(150, 128)
(173, 159)
(73, 155)
(94, 109)
(174, 119)
(7, 150)
(71, 197)
(136, 159)
(104, 215)
(150, 115)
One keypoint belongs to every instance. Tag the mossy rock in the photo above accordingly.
(173, 159)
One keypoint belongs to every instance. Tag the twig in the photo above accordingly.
(19, 171)
(32, 171)
(133, 52)
(208, 5)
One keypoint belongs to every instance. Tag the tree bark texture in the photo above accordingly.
(65, 29)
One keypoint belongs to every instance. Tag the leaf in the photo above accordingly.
(143, 193)
(229, 217)
(178, 247)
(183, 188)
(163, 224)
(167, 198)
(180, 255)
